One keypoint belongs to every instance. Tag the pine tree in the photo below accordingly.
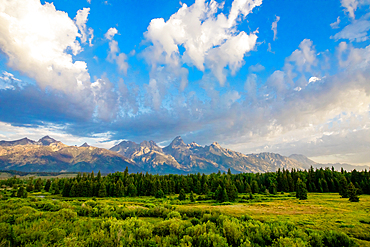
(343, 187)
(66, 189)
(73, 191)
(218, 193)
(159, 194)
(205, 189)
(224, 197)
(119, 189)
(21, 191)
(47, 185)
(98, 177)
(232, 193)
(29, 187)
(131, 190)
(192, 196)
(352, 193)
(182, 195)
(102, 190)
(248, 188)
(255, 188)
(38, 184)
(301, 190)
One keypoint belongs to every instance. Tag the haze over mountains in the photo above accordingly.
(48, 154)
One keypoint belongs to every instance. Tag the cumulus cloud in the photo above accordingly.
(41, 42)
(110, 33)
(211, 40)
(80, 20)
(351, 6)
(36, 39)
(274, 26)
(304, 57)
(115, 56)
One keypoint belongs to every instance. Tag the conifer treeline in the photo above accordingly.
(219, 186)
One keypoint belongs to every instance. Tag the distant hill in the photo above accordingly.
(337, 166)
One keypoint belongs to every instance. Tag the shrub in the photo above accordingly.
(334, 239)
(173, 214)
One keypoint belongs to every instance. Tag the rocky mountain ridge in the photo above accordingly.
(195, 158)
(48, 154)
(28, 155)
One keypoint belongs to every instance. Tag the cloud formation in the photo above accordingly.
(210, 39)
(356, 31)
(274, 27)
(110, 33)
(335, 24)
(80, 20)
(36, 38)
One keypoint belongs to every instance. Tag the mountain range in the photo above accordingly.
(48, 154)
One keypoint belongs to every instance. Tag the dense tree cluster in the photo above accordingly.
(219, 186)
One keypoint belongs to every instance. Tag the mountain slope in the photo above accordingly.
(148, 156)
(180, 157)
(59, 157)
(50, 155)
(23, 141)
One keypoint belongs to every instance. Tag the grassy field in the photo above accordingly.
(6, 175)
(321, 212)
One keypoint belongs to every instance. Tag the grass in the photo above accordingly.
(321, 211)
(6, 175)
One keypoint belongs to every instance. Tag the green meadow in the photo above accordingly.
(43, 219)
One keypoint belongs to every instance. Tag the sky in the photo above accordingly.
(290, 77)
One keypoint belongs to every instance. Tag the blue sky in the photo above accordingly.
(255, 76)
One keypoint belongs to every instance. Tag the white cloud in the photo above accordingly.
(351, 6)
(110, 33)
(335, 24)
(269, 48)
(208, 38)
(313, 79)
(304, 57)
(356, 31)
(36, 39)
(41, 42)
(274, 26)
(8, 81)
(115, 56)
(80, 20)
(256, 68)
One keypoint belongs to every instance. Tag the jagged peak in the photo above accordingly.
(126, 142)
(177, 142)
(215, 144)
(47, 140)
(194, 144)
(85, 145)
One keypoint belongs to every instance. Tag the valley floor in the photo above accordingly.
(266, 220)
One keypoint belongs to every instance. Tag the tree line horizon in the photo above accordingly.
(219, 186)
